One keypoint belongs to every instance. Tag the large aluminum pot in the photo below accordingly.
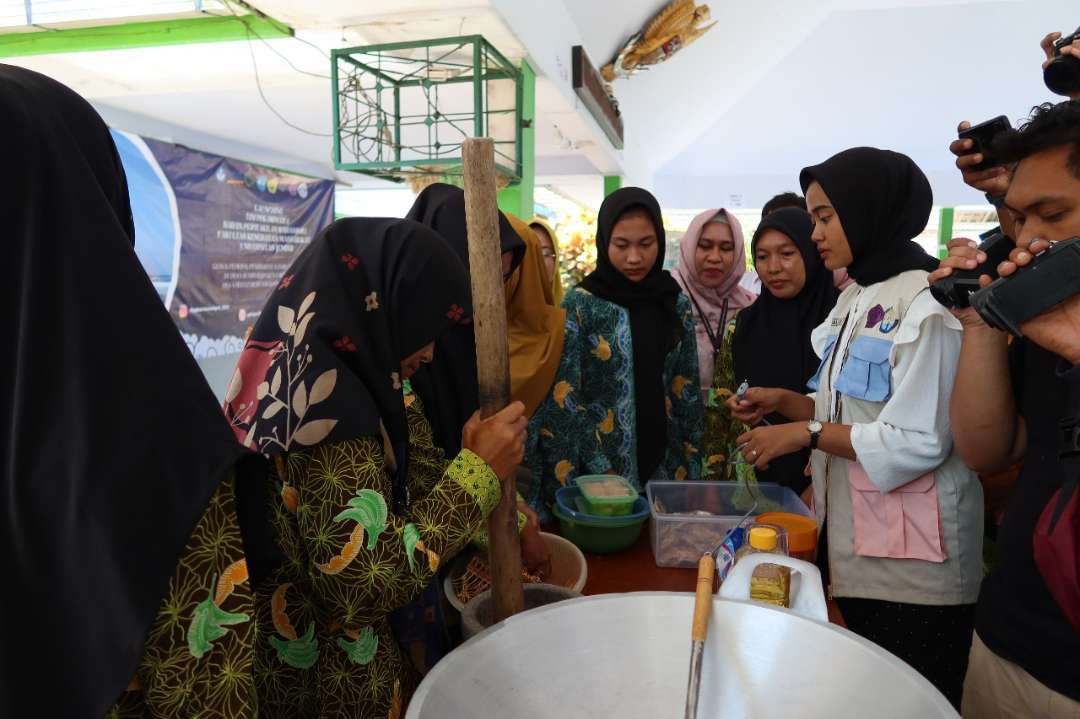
(627, 655)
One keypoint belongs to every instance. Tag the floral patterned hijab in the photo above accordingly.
(322, 364)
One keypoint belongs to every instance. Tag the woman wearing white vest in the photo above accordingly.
(902, 514)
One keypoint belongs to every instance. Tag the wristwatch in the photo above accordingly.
(814, 428)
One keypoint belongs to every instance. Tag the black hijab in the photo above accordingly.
(772, 336)
(653, 321)
(448, 387)
(323, 362)
(112, 442)
(771, 346)
(883, 200)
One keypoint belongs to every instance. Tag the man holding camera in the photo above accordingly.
(1008, 405)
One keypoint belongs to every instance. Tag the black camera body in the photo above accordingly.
(982, 138)
(955, 290)
(1051, 278)
(1062, 73)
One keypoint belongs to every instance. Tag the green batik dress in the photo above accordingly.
(325, 645)
(721, 429)
(587, 423)
(198, 657)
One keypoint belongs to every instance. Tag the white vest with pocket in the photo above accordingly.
(920, 543)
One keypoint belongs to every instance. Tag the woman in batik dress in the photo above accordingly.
(366, 509)
(126, 588)
(626, 399)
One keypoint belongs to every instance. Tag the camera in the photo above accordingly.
(1051, 278)
(955, 290)
(982, 137)
(1062, 74)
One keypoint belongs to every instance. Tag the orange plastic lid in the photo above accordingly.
(802, 531)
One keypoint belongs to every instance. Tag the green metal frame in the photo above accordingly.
(520, 198)
(369, 83)
(612, 183)
(152, 33)
(945, 225)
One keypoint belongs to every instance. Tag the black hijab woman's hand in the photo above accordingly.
(754, 405)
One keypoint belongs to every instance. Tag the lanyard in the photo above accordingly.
(717, 342)
(837, 398)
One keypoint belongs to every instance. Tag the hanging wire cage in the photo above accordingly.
(403, 110)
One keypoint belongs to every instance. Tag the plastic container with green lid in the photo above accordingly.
(606, 495)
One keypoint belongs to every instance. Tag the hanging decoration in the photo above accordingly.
(675, 27)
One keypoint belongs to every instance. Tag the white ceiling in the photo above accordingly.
(777, 85)
(780, 84)
(206, 95)
(839, 87)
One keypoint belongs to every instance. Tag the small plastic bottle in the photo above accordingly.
(763, 538)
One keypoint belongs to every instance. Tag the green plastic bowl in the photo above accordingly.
(599, 537)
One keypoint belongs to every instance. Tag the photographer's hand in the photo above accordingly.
(994, 181)
(964, 254)
(1047, 45)
(986, 429)
(1058, 329)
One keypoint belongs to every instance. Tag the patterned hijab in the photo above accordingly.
(322, 364)
(536, 324)
(557, 291)
(448, 387)
(713, 307)
(112, 442)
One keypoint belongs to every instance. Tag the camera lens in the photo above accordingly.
(1062, 75)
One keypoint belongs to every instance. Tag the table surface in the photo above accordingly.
(635, 570)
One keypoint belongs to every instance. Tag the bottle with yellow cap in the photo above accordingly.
(763, 537)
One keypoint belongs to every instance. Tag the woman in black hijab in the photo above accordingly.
(902, 512)
(448, 388)
(628, 375)
(124, 564)
(771, 347)
(367, 507)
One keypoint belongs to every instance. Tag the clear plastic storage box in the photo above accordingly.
(691, 518)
